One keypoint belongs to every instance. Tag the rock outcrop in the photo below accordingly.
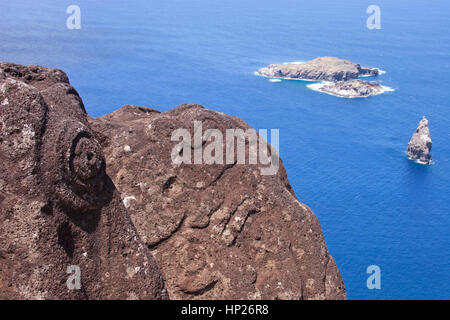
(322, 68)
(217, 231)
(351, 89)
(59, 210)
(419, 147)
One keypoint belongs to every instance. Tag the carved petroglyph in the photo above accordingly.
(59, 207)
(218, 231)
(82, 167)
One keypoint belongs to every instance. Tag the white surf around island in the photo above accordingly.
(294, 62)
(423, 163)
(256, 73)
(327, 86)
(380, 73)
(319, 87)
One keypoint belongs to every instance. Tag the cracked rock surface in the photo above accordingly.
(58, 206)
(217, 231)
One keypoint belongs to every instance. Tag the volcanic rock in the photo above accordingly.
(322, 68)
(419, 146)
(58, 207)
(217, 231)
(351, 89)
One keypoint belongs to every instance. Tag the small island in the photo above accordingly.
(419, 147)
(337, 77)
(322, 68)
(350, 89)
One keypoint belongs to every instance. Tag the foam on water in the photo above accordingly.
(294, 62)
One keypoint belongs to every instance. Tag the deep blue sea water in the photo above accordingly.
(344, 157)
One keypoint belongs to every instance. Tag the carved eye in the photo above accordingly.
(86, 160)
(82, 168)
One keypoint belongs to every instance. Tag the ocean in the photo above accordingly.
(345, 158)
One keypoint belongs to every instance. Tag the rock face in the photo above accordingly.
(58, 207)
(217, 231)
(352, 88)
(419, 146)
(322, 68)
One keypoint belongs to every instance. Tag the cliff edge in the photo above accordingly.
(106, 195)
(64, 232)
(217, 231)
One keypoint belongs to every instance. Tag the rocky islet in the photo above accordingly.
(337, 77)
(419, 147)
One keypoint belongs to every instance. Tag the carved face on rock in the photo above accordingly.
(61, 207)
(82, 167)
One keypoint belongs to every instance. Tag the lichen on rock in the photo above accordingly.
(217, 231)
(58, 206)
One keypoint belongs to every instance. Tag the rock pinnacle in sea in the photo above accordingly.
(420, 145)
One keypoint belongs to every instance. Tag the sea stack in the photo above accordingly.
(420, 145)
